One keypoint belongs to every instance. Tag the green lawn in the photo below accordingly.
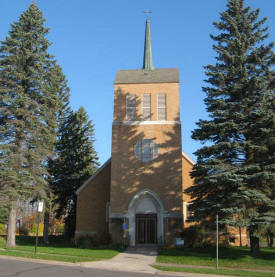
(233, 257)
(230, 272)
(57, 251)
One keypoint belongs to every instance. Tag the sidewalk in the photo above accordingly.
(212, 267)
(132, 260)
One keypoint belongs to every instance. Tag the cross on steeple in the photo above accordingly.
(148, 12)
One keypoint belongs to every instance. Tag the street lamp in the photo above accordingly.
(39, 211)
(217, 241)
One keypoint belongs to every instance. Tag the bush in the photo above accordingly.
(87, 241)
(24, 231)
(193, 236)
(59, 229)
(1, 228)
(105, 239)
(32, 230)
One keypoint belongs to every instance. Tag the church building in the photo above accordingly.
(138, 194)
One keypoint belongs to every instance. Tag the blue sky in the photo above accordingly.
(93, 39)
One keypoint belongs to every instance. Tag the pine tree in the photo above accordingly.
(234, 173)
(26, 121)
(60, 91)
(76, 161)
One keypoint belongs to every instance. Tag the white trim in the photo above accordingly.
(92, 177)
(157, 122)
(188, 158)
(119, 215)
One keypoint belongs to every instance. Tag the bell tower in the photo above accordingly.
(146, 168)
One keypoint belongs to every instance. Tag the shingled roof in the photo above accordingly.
(141, 76)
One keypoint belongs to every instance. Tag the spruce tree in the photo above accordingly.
(26, 122)
(60, 91)
(234, 174)
(76, 161)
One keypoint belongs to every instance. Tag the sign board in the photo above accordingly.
(40, 206)
(124, 226)
(179, 242)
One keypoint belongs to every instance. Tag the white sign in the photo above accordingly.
(179, 242)
(40, 206)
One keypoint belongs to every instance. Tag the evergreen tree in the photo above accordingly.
(60, 91)
(76, 161)
(26, 121)
(3, 213)
(234, 174)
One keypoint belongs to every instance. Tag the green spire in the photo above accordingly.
(147, 59)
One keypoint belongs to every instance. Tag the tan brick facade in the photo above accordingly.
(127, 187)
(163, 175)
(91, 204)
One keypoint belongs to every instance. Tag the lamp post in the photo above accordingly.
(217, 241)
(39, 211)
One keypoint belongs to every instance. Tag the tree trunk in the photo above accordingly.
(270, 239)
(240, 232)
(46, 228)
(254, 246)
(11, 228)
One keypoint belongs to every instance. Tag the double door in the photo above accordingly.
(146, 229)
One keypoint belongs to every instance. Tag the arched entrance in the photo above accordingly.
(145, 218)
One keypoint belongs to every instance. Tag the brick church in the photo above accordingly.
(138, 194)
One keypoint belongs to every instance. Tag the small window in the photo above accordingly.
(189, 213)
(161, 106)
(131, 107)
(146, 106)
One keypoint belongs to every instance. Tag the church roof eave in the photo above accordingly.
(92, 177)
(188, 158)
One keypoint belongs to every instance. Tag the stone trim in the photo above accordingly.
(173, 215)
(149, 122)
(119, 215)
(92, 177)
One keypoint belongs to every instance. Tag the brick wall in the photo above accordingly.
(91, 204)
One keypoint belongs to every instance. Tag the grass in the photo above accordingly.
(230, 272)
(57, 251)
(232, 257)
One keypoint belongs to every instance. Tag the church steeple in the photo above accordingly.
(147, 58)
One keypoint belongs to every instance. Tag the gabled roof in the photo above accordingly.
(188, 158)
(92, 177)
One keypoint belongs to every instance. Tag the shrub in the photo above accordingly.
(193, 236)
(24, 231)
(87, 241)
(1, 228)
(59, 229)
(32, 230)
(105, 239)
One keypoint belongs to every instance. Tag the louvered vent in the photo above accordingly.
(146, 106)
(162, 106)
